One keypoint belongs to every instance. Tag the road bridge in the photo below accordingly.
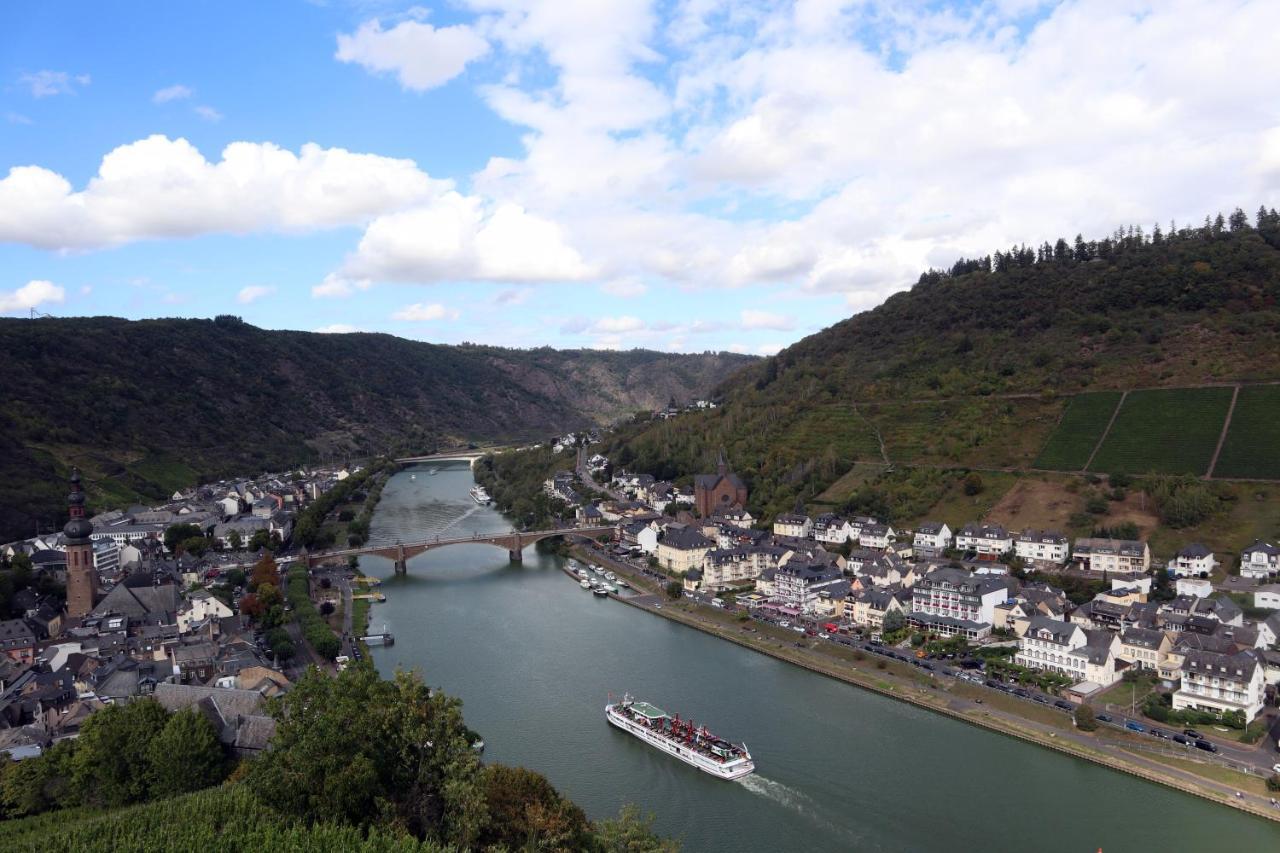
(513, 541)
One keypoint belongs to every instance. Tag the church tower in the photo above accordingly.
(82, 577)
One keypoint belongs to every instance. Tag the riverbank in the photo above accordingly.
(1047, 728)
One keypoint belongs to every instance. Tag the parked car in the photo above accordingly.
(1135, 727)
(784, 624)
(1064, 705)
(1206, 746)
(1193, 734)
(1182, 740)
(1160, 733)
(1103, 718)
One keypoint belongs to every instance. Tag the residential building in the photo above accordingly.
(798, 582)
(932, 538)
(1143, 647)
(831, 529)
(986, 539)
(1068, 649)
(876, 535)
(952, 601)
(1041, 546)
(682, 548)
(728, 567)
(868, 607)
(17, 641)
(1192, 561)
(1220, 683)
(793, 525)
(1112, 555)
(1260, 561)
(1267, 597)
(642, 534)
(1195, 587)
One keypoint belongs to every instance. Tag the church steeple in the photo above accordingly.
(82, 576)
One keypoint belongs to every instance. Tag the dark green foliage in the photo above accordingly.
(112, 764)
(1184, 501)
(514, 481)
(1250, 450)
(1082, 424)
(674, 589)
(185, 755)
(145, 407)
(526, 812)
(180, 533)
(1170, 431)
(314, 628)
(1085, 721)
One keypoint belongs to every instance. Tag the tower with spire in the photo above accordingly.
(719, 492)
(82, 577)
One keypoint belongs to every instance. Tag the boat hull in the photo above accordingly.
(729, 770)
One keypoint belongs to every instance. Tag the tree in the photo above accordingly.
(973, 484)
(526, 812)
(419, 771)
(175, 534)
(260, 539)
(265, 571)
(893, 621)
(111, 767)
(251, 606)
(674, 589)
(234, 540)
(631, 833)
(1085, 721)
(185, 756)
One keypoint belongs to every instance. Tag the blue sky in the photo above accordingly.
(684, 175)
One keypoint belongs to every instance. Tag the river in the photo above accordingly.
(533, 657)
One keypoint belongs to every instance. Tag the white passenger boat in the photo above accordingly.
(681, 738)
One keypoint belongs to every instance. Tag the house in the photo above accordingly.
(1260, 561)
(1194, 587)
(230, 506)
(201, 606)
(738, 517)
(1041, 546)
(1268, 631)
(245, 528)
(876, 535)
(728, 567)
(831, 529)
(798, 582)
(1192, 561)
(953, 602)
(682, 548)
(987, 539)
(1267, 597)
(237, 715)
(642, 535)
(793, 525)
(1068, 649)
(1113, 555)
(868, 607)
(127, 605)
(1143, 647)
(17, 640)
(1220, 683)
(931, 539)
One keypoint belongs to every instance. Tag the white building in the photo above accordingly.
(1067, 649)
(951, 601)
(1195, 587)
(931, 539)
(876, 536)
(989, 539)
(1041, 546)
(1113, 555)
(106, 556)
(201, 606)
(1193, 561)
(1267, 597)
(831, 529)
(793, 525)
(1220, 683)
(798, 582)
(1260, 561)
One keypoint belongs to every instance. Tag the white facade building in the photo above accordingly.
(1260, 561)
(1041, 546)
(988, 539)
(1192, 561)
(1221, 683)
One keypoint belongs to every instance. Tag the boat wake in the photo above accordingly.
(796, 801)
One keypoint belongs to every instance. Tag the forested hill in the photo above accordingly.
(930, 377)
(148, 406)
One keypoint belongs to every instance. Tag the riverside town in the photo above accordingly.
(640, 427)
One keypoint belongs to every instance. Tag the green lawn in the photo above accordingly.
(1252, 448)
(1167, 431)
(1124, 693)
(1082, 424)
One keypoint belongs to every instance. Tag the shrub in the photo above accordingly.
(1085, 720)
(1273, 782)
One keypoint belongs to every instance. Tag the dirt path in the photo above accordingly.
(1222, 437)
(1120, 405)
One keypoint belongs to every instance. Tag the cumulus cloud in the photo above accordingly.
(17, 118)
(626, 288)
(457, 238)
(161, 187)
(421, 56)
(208, 113)
(44, 84)
(253, 293)
(176, 92)
(33, 294)
(419, 312)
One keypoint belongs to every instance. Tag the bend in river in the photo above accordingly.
(533, 657)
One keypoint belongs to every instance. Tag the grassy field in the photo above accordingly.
(1169, 431)
(1085, 419)
(1252, 448)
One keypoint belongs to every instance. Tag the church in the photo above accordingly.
(717, 493)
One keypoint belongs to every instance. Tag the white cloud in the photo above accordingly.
(177, 92)
(457, 238)
(626, 288)
(755, 319)
(33, 294)
(208, 113)
(338, 329)
(513, 296)
(422, 56)
(17, 118)
(769, 349)
(335, 286)
(419, 312)
(160, 187)
(253, 293)
(43, 84)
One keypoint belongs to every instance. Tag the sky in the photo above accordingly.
(686, 175)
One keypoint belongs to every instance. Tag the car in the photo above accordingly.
(1193, 734)
(1275, 768)
(1043, 700)
(1135, 727)
(1064, 705)
(992, 683)
(1160, 733)
(798, 629)
(784, 624)
(1206, 746)
(1025, 694)
(1103, 718)
(824, 635)
(1182, 740)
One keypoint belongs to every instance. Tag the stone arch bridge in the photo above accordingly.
(514, 542)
